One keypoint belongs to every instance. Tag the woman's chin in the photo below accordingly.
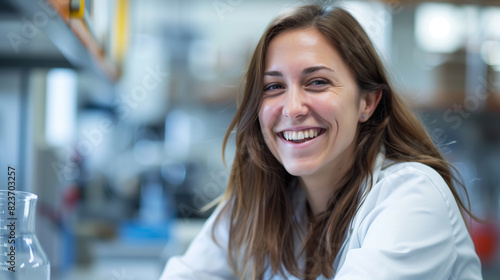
(299, 170)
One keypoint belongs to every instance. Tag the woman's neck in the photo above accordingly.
(321, 186)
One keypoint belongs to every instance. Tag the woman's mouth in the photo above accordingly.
(301, 136)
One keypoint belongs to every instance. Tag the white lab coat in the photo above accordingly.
(408, 227)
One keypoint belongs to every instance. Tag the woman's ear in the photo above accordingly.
(369, 102)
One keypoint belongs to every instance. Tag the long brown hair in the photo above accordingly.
(260, 211)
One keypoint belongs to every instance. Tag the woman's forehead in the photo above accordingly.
(300, 49)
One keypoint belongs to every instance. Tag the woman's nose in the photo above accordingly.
(294, 104)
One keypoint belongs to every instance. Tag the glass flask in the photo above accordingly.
(21, 255)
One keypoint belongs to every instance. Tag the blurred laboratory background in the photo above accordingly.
(113, 112)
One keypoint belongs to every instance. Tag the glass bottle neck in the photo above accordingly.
(25, 216)
(18, 213)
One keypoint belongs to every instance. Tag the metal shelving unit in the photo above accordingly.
(70, 37)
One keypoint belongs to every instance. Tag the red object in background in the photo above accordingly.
(71, 197)
(485, 237)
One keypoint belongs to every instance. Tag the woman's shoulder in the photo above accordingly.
(409, 191)
(400, 171)
(398, 179)
(410, 210)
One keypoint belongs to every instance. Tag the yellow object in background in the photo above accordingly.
(120, 32)
(77, 9)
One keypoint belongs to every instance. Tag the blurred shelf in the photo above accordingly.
(454, 100)
(33, 61)
(113, 269)
(145, 249)
(69, 36)
(456, 2)
(62, 7)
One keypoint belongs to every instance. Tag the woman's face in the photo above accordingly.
(310, 108)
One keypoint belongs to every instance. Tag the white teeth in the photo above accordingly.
(300, 135)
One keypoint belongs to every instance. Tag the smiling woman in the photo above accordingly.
(334, 176)
(303, 94)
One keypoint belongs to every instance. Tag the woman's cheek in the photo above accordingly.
(267, 114)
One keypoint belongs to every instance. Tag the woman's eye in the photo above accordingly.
(319, 83)
(273, 87)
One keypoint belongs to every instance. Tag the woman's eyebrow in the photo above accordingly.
(273, 73)
(313, 69)
(306, 71)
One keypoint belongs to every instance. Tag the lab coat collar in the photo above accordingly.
(379, 163)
